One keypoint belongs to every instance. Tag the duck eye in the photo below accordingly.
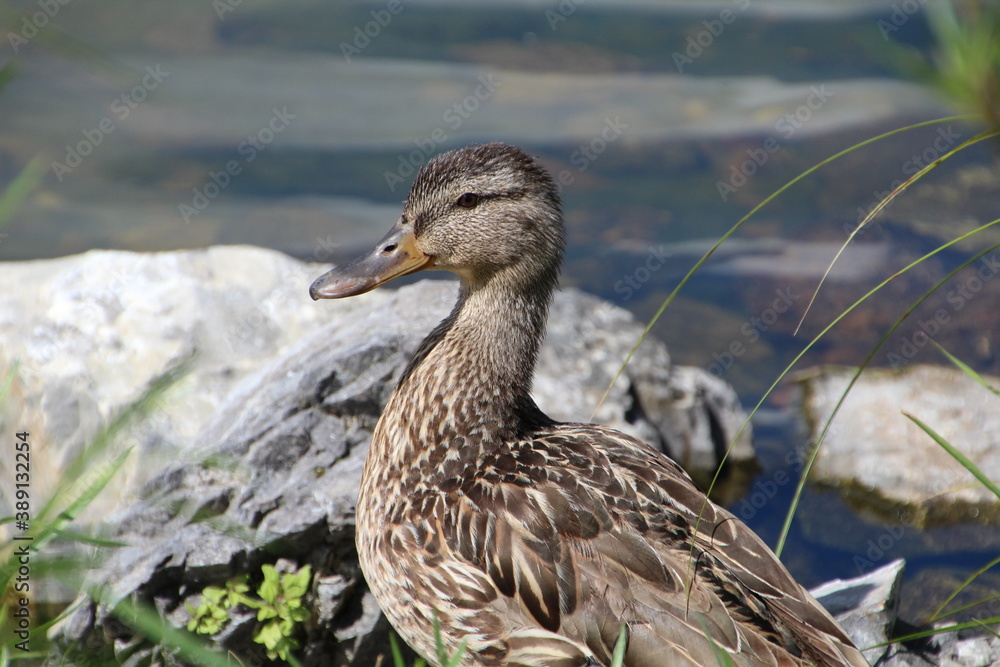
(468, 200)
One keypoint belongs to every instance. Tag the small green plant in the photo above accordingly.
(282, 609)
(213, 612)
(279, 608)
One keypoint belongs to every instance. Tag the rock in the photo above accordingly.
(866, 606)
(885, 463)
(257, 454)
(91, 332)
(945, 649)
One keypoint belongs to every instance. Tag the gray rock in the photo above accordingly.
(279, 428)
(866, 606)
(945, 649)
(883, 461)
(92, 331)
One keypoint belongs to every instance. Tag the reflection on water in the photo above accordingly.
(299, 127)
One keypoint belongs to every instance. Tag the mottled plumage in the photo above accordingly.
(533, 540)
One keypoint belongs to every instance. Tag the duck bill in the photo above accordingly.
(395, 255)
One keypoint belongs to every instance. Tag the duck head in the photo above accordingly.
(485, 212)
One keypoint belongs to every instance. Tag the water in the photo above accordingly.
(288, 125)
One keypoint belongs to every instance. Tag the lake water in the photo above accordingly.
(299, 126)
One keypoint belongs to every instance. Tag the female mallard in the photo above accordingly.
(528, 539)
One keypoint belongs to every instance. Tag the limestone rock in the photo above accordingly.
(883, 461)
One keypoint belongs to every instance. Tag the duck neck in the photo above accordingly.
(473, 374)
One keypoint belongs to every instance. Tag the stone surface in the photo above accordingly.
(91, 331)
(883, 461)
(866, 606)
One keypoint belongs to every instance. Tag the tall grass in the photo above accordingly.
(52, 528)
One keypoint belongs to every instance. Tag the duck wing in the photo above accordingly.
(562, 537)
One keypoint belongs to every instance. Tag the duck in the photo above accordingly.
(518, 540)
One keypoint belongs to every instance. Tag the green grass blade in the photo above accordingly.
(972, 577)
(878, 208)
(439, 641)
(621, 644)
(938, 631)
(965, 368)
(454, 660)
(970, 605)
(815, 450)
(9, 380)
(8, 71)
(153, 627)
(86, 496)
(89, 539)
(955, 454)
(444, 660)
(17, 192)
(397, 653)
(85, 460)
(90, 491)
(739, 223)
(64, 614)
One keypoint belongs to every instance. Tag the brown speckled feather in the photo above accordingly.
(533, 541)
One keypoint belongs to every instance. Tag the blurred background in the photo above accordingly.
(299, 126)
